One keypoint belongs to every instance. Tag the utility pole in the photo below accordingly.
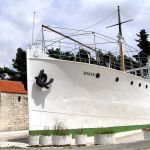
(120, 39)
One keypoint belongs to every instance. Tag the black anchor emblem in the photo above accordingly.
(41, 80)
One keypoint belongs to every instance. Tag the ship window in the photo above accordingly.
(145, 72)
(132, 72)
(139, 84)
(131, 83)
(19, 98)
(117, 79)
(146, 86)
(138, 73)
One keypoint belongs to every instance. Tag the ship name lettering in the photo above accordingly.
(89, 73)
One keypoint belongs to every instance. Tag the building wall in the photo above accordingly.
(13, 112)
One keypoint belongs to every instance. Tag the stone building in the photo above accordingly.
(13, 106)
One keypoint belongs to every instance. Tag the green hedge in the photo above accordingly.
(92, 131)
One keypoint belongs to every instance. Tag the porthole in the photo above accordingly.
(117, 79)
(146, 86)
(131, 83)
(139, 84)
(97, 75)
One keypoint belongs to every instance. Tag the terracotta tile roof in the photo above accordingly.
(12, 87)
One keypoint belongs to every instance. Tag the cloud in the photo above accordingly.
(17, 16)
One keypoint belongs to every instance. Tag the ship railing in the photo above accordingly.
(100, 60)
(107, 62)
(142, 71)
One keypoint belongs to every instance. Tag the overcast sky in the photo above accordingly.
(16, 17)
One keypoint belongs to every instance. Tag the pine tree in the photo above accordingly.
(83, 55)
(2, 74)
(19, 71)
(144, 46)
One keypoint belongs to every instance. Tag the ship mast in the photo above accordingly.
(120, 39)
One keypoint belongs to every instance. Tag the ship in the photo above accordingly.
(84, 95)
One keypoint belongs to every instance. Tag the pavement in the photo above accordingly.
(14, 139)
(132, 140)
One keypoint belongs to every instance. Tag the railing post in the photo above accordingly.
(89, 58)
(109, 61)
(75, 52)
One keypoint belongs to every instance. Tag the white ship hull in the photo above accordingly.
(79, 99)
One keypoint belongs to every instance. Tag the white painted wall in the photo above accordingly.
(85, 101)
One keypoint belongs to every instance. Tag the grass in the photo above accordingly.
(92, 131)
(80, 131)
(104, 131)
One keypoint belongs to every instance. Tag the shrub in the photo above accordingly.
(146, 129)
(59, 129)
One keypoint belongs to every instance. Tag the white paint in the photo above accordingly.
(104, 139)
(45, 140)
(146, 135)
(85, 101)
(33, 140)
(81, 139)
(61, 140)
(127, 133)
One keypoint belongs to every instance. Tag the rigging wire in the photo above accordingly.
(85, 34)
(69, 29)
(99, 21)
(91, 25)
(103, 38)
(65, 38)
(131, 47)
(84, 30)
(98, 43)
(37, 36)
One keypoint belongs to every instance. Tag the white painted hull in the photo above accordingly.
(85, 101)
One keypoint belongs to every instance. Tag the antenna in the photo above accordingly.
(33, 27)
(120, 38)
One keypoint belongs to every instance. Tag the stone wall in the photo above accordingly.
(13, 112)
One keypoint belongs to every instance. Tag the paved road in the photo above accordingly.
(140, 145)
(9, 139)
